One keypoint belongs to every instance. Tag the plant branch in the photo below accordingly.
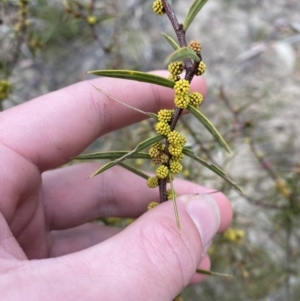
(191, 69)
(178, 28)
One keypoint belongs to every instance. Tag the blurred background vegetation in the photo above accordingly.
(252, 50)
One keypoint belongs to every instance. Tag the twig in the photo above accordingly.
(190, 67)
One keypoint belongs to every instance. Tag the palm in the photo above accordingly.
(23, 209)
(42, 135)
(46, 212)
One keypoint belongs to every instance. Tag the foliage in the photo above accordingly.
(62, 40)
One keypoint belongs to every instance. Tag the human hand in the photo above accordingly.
(45, 213)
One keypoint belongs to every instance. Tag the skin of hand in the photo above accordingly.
(49, 249)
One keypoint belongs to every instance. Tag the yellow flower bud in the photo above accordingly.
(176, 138)
(201, 68)
(182, 101)
(165, 115)
(170, 193)
(152, 182)
(175, 167)
(158, 7)
(162, 172)
(163, 128)
(196, 99)
(182, 87)
(5, 89)
(174, 78)
(234, 235)
(196, 46)
(92, 20)
(175, 68)
(152, 205)
(175, 150)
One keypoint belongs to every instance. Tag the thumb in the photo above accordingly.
(149, 260)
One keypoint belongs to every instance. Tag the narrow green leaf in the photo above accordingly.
(112, 155)
(174, 203)
(214, 168)
(210, 273)
(209, 126)
(134, 170)
(192, 13)
(135, 75)
(149, 114)
(182, 54)
(139, 148)
(171, 41)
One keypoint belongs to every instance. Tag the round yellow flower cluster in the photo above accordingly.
(174, 78)
(182, 101)
(152, 182)
(162, 172)
(170, 193)
(157, 155)
(196, 46)
(5, 89)
(234, 235)
(154, 152)
(165, 115)
(175, 167)
(179, 157)
(159, 146)
(175, 68)
(92, 20)
(164, 158)
(160, 159)
(152, 205)
(156, 160)
(182, 87)
(175, 150)
(201, 68)
(163, 128)
(196, 99)
(176, 138)
(158, 7)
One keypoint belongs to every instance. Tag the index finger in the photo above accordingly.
(53, 128)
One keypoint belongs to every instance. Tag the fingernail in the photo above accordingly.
(204, 211)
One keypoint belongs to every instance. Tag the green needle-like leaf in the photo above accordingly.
(210, 273)
(192, 13)
(134, 170)
(214, 168)
(139, 148)
(171, 41)
(209, 126)
(112, 155)
(149, 114)
(174, 203)
(182, 54)
(135, 75)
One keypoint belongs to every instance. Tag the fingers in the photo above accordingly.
(72, 198)
(51, 129)
(150, 258)
(79, 238)
(204, 265)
